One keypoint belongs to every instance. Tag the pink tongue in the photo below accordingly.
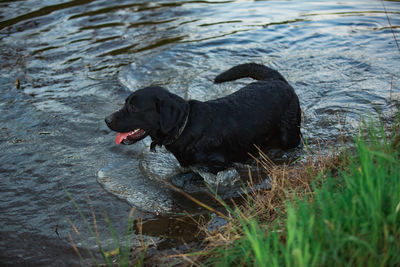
(120, 137)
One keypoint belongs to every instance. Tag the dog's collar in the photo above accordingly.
(180, 131)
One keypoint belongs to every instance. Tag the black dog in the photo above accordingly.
(214, 134)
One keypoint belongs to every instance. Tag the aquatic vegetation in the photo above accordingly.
(118, 252)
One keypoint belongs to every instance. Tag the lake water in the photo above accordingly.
(77, 61)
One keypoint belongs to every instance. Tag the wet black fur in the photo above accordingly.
(221, 131)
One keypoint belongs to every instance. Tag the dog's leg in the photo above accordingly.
(211, 162)
(216, 163)
(290, 126)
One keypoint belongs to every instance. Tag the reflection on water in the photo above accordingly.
(140, 181)
(78, 60)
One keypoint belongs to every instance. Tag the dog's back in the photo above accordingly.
(225, 130)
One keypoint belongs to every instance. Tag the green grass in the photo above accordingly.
(351, 219)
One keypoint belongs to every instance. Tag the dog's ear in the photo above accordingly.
(173, 110)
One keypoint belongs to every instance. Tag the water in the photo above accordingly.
(78, 60)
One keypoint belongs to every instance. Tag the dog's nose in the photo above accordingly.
(108, 120)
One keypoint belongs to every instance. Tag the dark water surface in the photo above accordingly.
(78, 60)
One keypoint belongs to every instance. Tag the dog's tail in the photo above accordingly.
(249, 70)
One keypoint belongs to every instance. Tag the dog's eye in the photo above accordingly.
(129, 104)
(132, 108)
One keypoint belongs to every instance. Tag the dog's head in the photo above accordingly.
(149, 111)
